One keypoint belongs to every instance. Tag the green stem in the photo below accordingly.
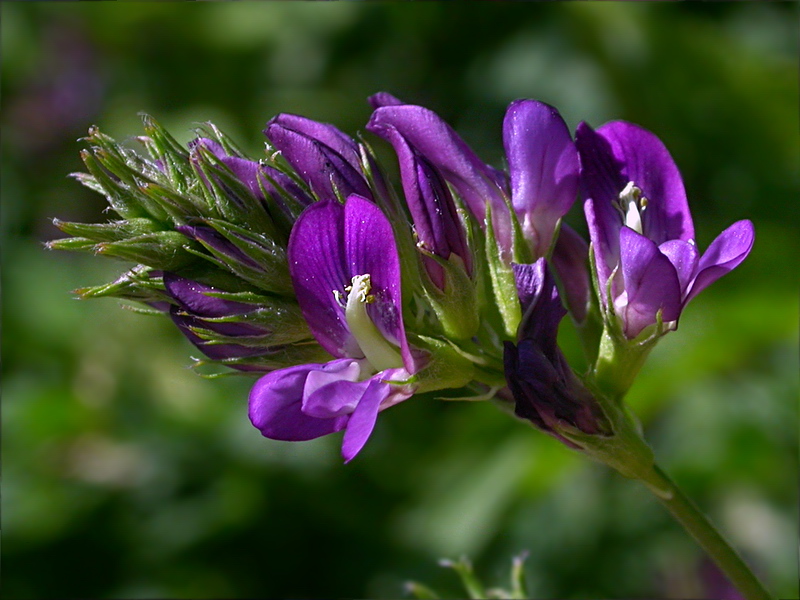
(688, 515)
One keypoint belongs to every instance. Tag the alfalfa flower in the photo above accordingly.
(346, 272)
(647, 263)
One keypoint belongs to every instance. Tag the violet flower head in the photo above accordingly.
(324, 157)
(346, 272)
(648, 266)
(545, 390)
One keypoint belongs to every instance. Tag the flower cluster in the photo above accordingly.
(347, 294)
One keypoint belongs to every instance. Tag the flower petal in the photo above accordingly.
(431, 205)
(318, 267)
(275, 406)
(570, 259)
(435, 140)
(683, 256)
(651, 284)
(645, 161)
(541, 305)
(543, 165)
(377, 395)
(724, 254)
(370, 249)
(323, 156)
(333, 391)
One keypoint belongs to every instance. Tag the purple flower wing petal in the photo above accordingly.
(275, 406)
(651, 284)
(543, 164)
(683, 256)
(362, 421)
(318, 268)
(370, 249)
(647, 162)
(724, 254)
(334, 391)
(325, 133)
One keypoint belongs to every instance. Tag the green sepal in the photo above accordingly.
(164, 250)
(625, 449)
(112, 231)
(277, 357)
(269, 267)
(232, 200)
(137, 284)
(504, 287)
(446, 367)
(174, 157)
(456, 306)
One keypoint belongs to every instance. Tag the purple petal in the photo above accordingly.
(321, 154)
(362, 421)
(431, 205)
(209, 237)
(318, 267)
(543, 165)
(334, 391)
(275, 406)
(651, 284)
(384, 99)
(193, 297)
(570, 258)
(683, 256)
(541, 305)
(370, 249)
(438, 143)
(724, 254)
(647, 162)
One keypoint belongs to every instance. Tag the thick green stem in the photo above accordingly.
(694, 522)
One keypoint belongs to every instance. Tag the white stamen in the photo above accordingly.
(379, 352)
(632, 204)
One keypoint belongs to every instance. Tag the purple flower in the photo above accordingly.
(346, 273)
(545, 390)
(324, 157)
(195, 309)
(542, 161)
(256, 177)
(641, 228)
(430, 203)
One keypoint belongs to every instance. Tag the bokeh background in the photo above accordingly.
(126, 475)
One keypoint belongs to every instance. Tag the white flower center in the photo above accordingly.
(378, 351)
(632, 204)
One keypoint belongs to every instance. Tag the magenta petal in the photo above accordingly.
(318, 267)
(651, 284)
(647, 162)
(362, 421)
(275, 406)
(724, 254)
(683, 256)
(543, 165)
(370, 249)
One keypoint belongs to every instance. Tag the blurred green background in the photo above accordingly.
(125, 475)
